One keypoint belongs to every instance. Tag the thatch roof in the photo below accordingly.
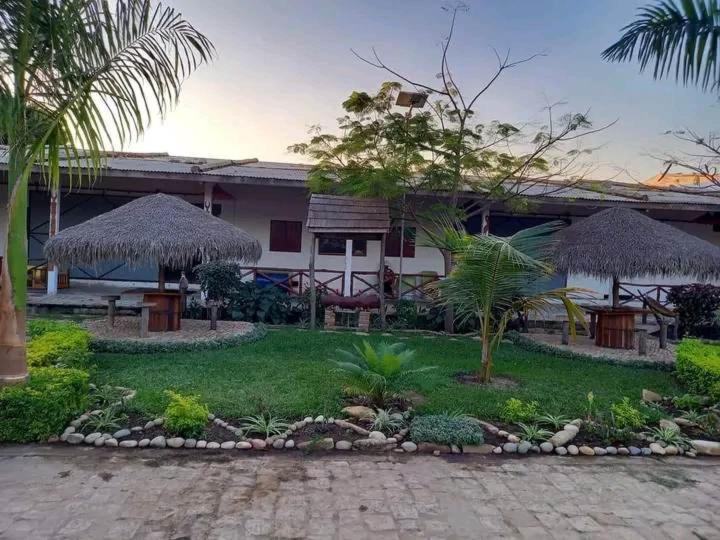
(338, 214)
(624, 243)
(159, 229)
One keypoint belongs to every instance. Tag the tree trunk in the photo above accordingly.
(13, 294)
(449, 311)
(486, 365)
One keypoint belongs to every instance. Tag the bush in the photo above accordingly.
(446, 429)
(696, 305)
(626, 416)
(38, 327)
(57, 342)
(218, 279)
(272, 305)
(42, 407)
(698, 366)
(516, 410)
(185, 415)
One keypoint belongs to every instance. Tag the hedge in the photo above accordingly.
(446, 429)
(136, 346)
(43, 406)
(698, 366)
(53, 342)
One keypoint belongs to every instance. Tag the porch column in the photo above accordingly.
(53, 228)
(347, 282)
(381, 279)
(485, 227)
(208, 198)
(313, 290)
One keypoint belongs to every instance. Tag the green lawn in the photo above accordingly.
(289, 373)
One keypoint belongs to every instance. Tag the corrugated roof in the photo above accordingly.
(336, 214)
(253, 171)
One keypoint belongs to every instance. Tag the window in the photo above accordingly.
(286, 236)
(392, 244)
(336, 246)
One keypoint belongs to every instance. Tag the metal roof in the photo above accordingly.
(295, 174)
(335, 214)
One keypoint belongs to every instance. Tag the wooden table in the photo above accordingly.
(166, 313)
(615, 327)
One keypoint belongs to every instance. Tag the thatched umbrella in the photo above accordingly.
(620, 242)
(159, 229)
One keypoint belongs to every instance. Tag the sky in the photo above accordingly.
(283, 66)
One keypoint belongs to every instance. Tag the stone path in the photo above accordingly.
(100, 493)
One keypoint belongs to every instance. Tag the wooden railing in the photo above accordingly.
(634, 292)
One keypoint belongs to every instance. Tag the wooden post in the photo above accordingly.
(53, 228)
(213, 315)
(161, 277)
(663, 333)
(381, 280)
(145, 319)
(565, 340)
(593, 324)
(615, 292)
(313, 290)
(642, 342)
(644, 315)
(347, 284)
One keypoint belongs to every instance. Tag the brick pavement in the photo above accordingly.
(63, 492)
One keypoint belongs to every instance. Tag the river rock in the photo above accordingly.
(213, 446)
(634, 450)
(190, 443)
(343, 445)
(378, 435)
(149, 425)
(409, 446)
(561, 451)
(513, 438)
(243, 445)
(571, 427)
(611, 450)
(159, 421)
(706, 448)
(561, 438)
(143, 443)
(547, 447)
(655, 448)
(429, 448)
(672, 450)
(121, 433)
(668, 424)
(502, 433)
(289, 443)
(130, 443)
(481, 449)
(524, 447)
(158, 442)
(648, 396)
(344, 424)
(258, 444)
(360, 412)
(111, 442)
(586, 451)
(228, 445)
(487, 426)
(100, 441)
(278, 444)
(622, 451)
(320, 419)
(497, 450)
(92, 437)
(599, 451)
(510, 447)
(646, 451)
(201, 445)
(573, 450)
(175, 442)
(75, 438)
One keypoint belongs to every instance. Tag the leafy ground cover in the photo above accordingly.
(290, 373)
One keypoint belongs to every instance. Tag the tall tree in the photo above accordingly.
(679, 39)
(76, 75)
(457, 162)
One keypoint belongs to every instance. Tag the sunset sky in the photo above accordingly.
(285, 65)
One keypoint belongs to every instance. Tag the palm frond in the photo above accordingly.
(677, 39)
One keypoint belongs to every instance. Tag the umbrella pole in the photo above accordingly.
(615, 292)
(161, 277)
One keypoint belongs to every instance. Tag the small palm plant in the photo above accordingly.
(669, 436)
(387, 421)
(374, 372)
(107, 421)
(554, 421)
(495, 278)
(264, 425)
(533, 433)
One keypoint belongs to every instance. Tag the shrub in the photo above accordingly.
(533, 433)
(696, 305)
(387, 422)
(272, 305)
(218, 279)
(43, 406)
(446, 429)
(698, 366)
(626, 416)
(515, 411)
(107, 421)
(38, 327)
(56, 342)
(264, 424)
(185, 415)
(374, 370)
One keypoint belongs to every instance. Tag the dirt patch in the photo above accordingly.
(499, 382)
(315, 432)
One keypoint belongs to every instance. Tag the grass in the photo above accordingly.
(288, 373)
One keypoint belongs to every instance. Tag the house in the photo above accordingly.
(270, 200)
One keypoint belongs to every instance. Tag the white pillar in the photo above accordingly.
(208, 200)
(347, 289)
(53, 228)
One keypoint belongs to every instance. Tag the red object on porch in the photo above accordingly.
(166, 313)
(366, 301)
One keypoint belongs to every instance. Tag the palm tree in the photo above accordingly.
(676, 38)
(497, 277)
(76, 75)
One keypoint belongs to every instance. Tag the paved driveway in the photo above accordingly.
(64, 492)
